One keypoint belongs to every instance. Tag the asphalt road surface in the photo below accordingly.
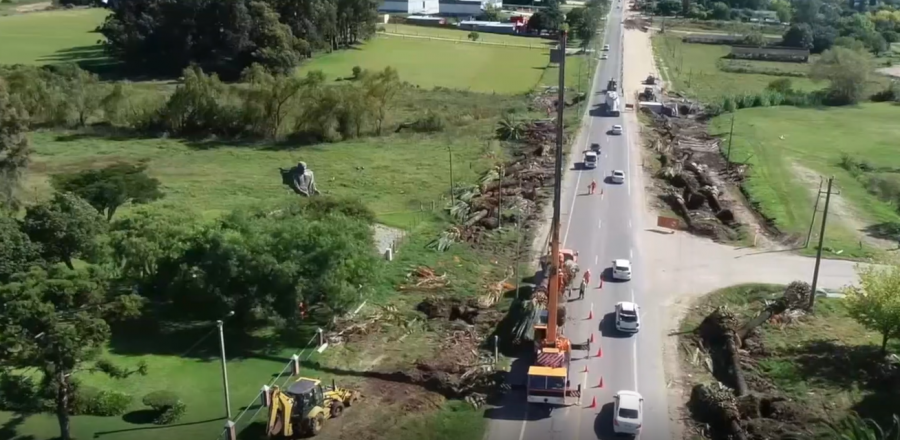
(601, 227)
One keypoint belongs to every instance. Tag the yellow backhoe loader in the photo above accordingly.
(303, 407)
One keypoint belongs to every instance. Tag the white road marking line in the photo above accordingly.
(524, 422)
(635, 363)
(599, 224)
(629, 224)
(596, 259)
(577, 188)
(631, 255)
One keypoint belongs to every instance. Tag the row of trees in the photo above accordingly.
(873, 31)
(226, 36)
(259, 263)
(266, 105)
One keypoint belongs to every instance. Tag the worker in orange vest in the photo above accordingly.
(587, 276)
(592, 187)
(302, 310)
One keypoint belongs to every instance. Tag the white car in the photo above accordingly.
(618, 176)
(604, 56)
(621, 270)
(616, 129)
(628, 317)
(605, 47)
(629, 413)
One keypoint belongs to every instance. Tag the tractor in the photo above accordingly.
(303, 407)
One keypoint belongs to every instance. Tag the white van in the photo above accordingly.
(590, 159)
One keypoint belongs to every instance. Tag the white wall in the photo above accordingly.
(422, 7)
(465, 9)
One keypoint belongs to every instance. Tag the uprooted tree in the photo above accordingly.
(725, 403)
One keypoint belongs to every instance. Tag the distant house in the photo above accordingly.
(423, 7)
(494, 27)
(771, 53)
(466, 8)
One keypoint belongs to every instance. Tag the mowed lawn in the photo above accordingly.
(51, 37)
(434, 63)
(815, 139)
(691, 69)
(463, 35)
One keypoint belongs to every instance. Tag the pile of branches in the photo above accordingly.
(424, 278)
(728, 408)
(693, 167)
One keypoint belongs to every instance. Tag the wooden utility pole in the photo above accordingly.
(730, 137)
(815, 210)
(815, 281)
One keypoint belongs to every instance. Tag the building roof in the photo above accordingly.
(423, 17)
(485, 23)
(546, 371)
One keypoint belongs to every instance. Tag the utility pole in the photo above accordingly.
(812, 296)
(450, 154)
(500, 200)
(221, 325)
(815, 210)
(730, 137)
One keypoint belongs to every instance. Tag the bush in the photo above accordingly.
(168, 406)
(93, 402)
(430, 123)
(18, 393)
(161, 400)
(171, 415)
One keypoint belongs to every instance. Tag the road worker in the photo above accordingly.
(587, 276)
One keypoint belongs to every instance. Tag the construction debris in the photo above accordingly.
(424, 278)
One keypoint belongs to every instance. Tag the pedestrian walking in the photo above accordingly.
(587, 276)
(593, 186)
(581, 289)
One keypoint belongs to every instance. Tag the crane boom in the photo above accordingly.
(555, 263)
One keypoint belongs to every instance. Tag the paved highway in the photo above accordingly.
(602, 227)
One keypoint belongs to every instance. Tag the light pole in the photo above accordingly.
(221, 324)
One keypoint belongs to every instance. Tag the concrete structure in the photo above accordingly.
(424, 7)
(494, 27)
(466, 8)
(423, 20)
(770, 53)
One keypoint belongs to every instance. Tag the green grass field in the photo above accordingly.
(692, 69)
(463, 35)
(820, 361)
(435, 63)
(51, 37)
(816, 140)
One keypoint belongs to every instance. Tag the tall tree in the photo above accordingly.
(798, 35)
(876, 302)
(149, 235)
(270, 98)
(847, 72)
(66, 227)
(109, 188)
(85, 95)
(15, 153)
(807, 11)
(57, 321)
(382, 87)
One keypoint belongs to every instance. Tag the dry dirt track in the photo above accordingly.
(681, 267)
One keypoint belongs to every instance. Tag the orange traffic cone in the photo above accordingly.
(599, 351)
(590, 315)
(593, 403)
(600, 385)
(585, 369)
(592, 338)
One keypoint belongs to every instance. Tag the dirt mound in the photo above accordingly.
(458, 310)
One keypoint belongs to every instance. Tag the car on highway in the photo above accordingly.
(628, 318)
(616, 129)
(621, 270)
(590, 160)
(595, 147)
(618, 176)
(628, 413)
(605, 47)
(604, 56)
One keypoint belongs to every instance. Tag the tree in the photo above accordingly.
(806, 11)
(381, 88)
(823, 38)
(269, 99)
(262, 265)
(576, 18)
(109, 188)
(755, 38)
(875, 304)
(668, 7)
(149, 235)
(15, 152)
(721, 11)
(783, 9)
(18, 253)
(847, 72)
(57, 322)
(473, 36)
(798, 35)
(65, 227)
(85, 95)
(781, 85)
(553, 16)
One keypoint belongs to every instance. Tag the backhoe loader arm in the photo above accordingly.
(280, 415)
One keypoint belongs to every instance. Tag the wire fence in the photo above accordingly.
(467, 41)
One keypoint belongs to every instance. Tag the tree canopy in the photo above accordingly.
(66, 227)
(847, 72)
(876, 302)
(109, 188)
(226, 36)
(17, 253)
(15, 152)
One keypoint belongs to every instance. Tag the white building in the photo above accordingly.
(423, 7)
(466, 8)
